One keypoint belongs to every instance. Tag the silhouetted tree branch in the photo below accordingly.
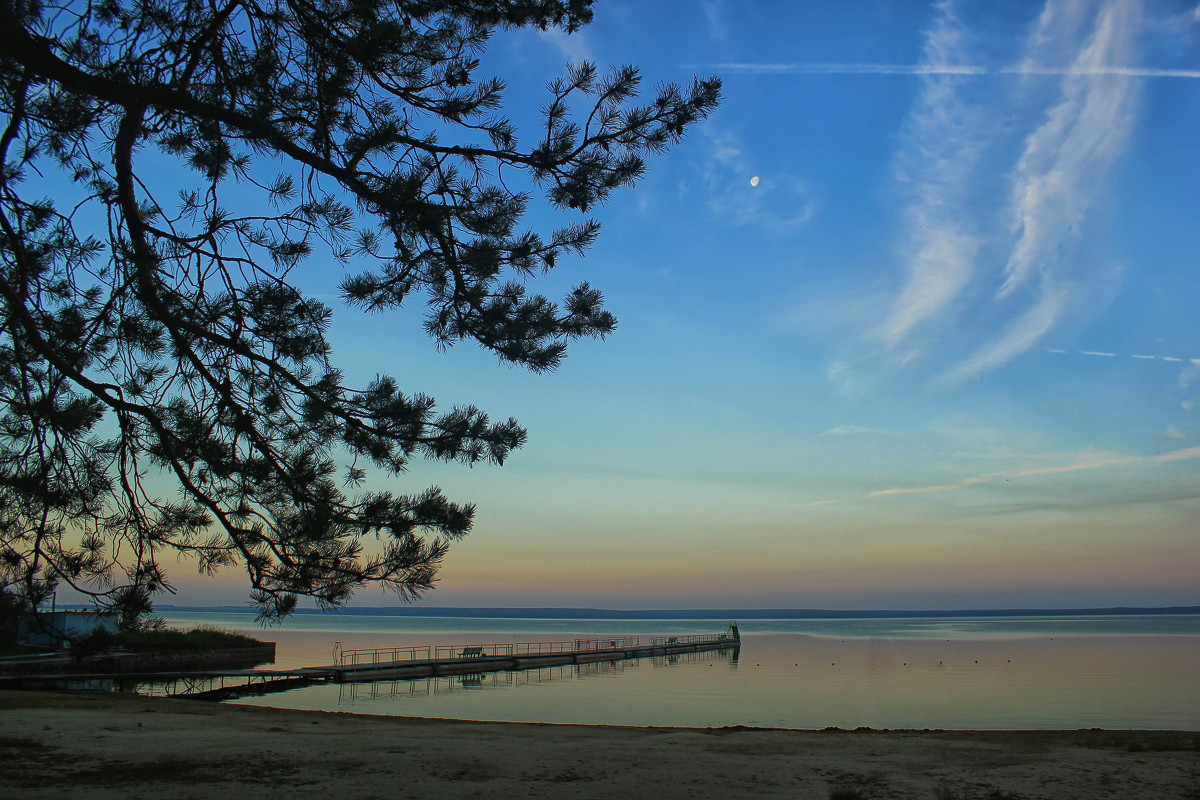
(166, 385)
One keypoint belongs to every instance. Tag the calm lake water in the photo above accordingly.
(978, 672)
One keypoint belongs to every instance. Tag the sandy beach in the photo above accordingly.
(58, 745)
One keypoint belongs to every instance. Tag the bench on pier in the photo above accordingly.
(471, 652)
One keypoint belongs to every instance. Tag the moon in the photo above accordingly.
(754, 181)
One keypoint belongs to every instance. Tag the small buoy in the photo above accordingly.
(906, 663)
(977, 661)
(796, 664)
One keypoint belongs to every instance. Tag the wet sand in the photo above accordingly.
(57, 745)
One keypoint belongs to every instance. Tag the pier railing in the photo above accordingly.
(695, 638)
(393, 655)
(533, 648)
(382, 655)
(608, 643)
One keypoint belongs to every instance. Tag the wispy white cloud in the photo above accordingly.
(846, 430)
(1002, 182)
(1174, 455)
(1097, 353)
(1187, 375)
(1063, 166)
(1020, 335)
(714, 17)
(1082, 135)
(1095, 463)
(574, 47)
(936, 165)
(814, 503)
(950, 487)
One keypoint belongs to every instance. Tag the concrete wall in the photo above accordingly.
(57, 628)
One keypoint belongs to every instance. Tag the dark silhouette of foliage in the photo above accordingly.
(167, 387)
(96, 643)
(12, 607)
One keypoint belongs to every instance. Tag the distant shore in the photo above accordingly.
(58, 745)
(699, 614)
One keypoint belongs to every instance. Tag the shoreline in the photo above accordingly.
(55, 744)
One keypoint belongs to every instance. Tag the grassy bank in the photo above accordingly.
(168, 640)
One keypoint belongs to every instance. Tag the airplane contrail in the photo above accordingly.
(947, 69)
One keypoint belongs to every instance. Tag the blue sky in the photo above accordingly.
(909, 322)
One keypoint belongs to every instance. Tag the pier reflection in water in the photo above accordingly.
(387, 691)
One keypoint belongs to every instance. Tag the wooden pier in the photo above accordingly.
(395, 663)
(379, 664)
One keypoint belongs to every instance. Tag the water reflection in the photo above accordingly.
(800, 681)
(442, 686)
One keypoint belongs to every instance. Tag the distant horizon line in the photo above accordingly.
(567, 612)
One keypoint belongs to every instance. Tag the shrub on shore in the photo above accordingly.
(204, 637)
